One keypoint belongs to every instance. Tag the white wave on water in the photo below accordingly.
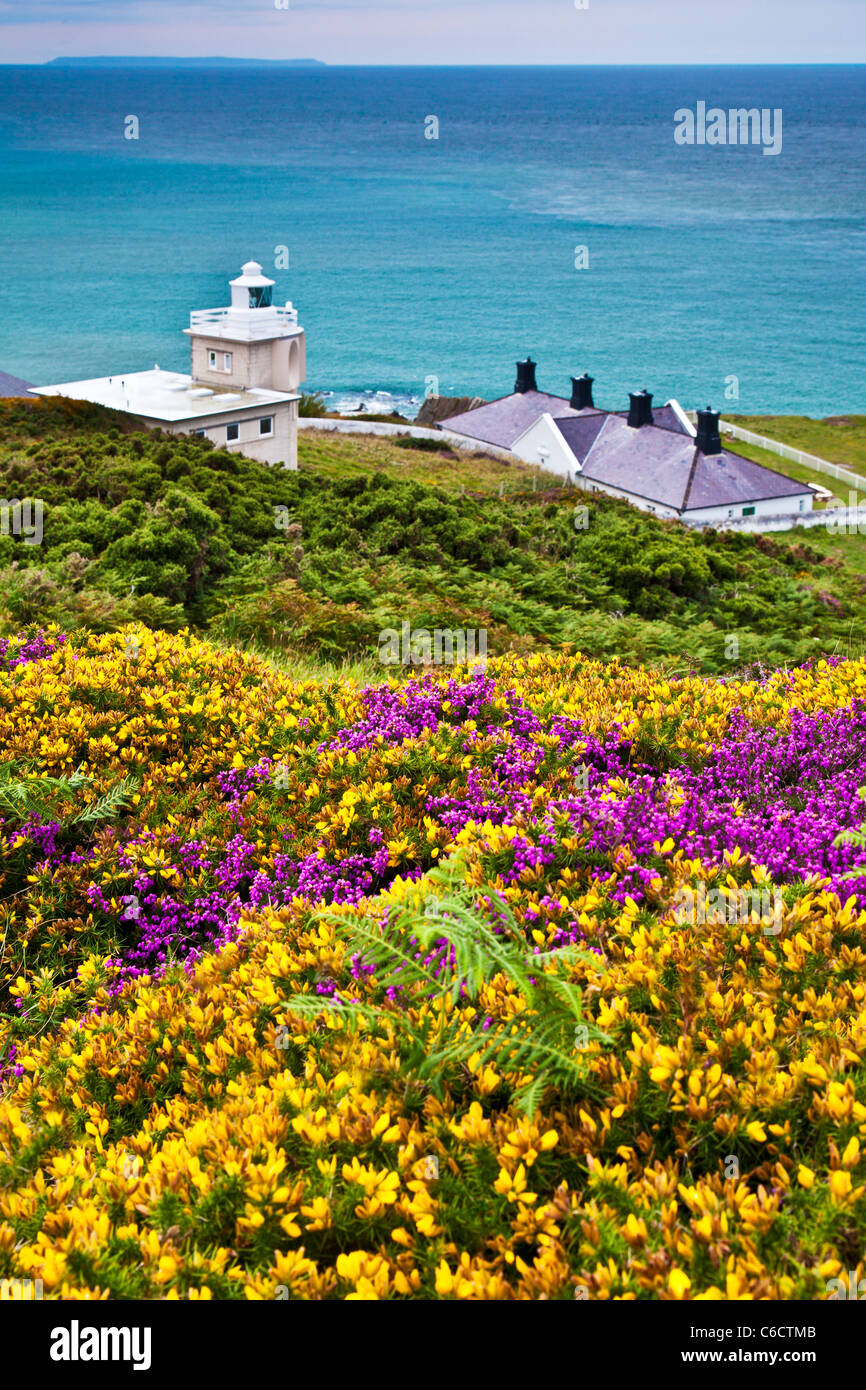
(369, 402)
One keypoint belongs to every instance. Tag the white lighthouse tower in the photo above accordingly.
(248, 361)
(251, 343)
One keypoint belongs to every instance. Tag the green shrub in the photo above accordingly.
(173, 531)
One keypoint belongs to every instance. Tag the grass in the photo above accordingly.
(300, 666)
(359, 455)
(838, 439)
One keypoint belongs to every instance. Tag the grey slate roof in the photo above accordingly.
(581, 431)
(503, 421)
(728, 478)
(665, 467)
(667, 418)
(13, 385)
(651, 462)
(659, 462)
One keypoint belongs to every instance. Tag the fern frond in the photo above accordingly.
(382, 948)
(25, 794)
(540, 1040)
(532, 1095)
(108, 805)
(341, 1012)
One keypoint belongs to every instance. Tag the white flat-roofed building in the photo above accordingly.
(247, 362)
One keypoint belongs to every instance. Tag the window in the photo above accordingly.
(233, 432)
(802, 504)
(266, 426)
(730, 511)
(227, 361)
(200, 434)
(748, 511)
(211, 358)
(260, 296)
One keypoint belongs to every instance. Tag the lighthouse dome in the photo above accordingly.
(251, 274)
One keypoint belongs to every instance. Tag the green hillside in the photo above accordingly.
(371, 533)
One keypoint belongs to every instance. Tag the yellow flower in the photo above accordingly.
(514, 1187)
(318, 1214)
(679, 1283)
(635, 1230)
(840, 1185)
(369, 1274)
(851, 1156)
(383, 1185)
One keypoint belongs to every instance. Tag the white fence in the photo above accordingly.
(205, 320)
(840, 520)
(312, 422)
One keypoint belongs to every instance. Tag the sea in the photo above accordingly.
(435, 225)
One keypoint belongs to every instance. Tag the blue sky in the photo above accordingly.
(442, 31)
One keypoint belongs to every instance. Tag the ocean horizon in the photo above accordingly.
(553, 215)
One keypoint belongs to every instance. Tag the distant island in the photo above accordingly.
(135, 62)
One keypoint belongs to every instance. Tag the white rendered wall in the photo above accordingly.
(200, 369)
(288, 366)
(281, 447)
(642, 503)
(544, 436)
(269, 364)
(770, 506)
(848, 520)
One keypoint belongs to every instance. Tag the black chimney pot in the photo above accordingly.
(525, 377)
(581, 392)
(641, 409)
(708, 440)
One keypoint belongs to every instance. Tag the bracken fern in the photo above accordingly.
(445, 945)
(25, 795)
